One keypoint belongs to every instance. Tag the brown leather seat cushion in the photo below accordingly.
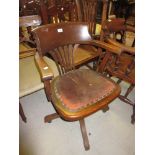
(80, 88)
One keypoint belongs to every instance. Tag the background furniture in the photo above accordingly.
(76, 93)
(29, 7)
(26, 23)
(29, 78)
(122, 66)
(123, 9)
(27, 52)
(52, 11)
(87, 12)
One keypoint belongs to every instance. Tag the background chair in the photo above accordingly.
(87, 11)
(29, 78)
(29, 7)
(76, 93)
(53, 11)
(117, 33)
(26, 23)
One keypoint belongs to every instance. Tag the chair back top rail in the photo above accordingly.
(51, 36)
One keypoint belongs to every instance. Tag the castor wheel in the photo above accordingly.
(105, 109)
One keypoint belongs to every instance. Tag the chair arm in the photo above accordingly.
(110, 48)
(44, 69)
(125, 48)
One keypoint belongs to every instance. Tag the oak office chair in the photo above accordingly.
(76, 93)
(122, 66)
(29, 78)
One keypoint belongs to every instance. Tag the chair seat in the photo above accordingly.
(29, 78)
(78, 92)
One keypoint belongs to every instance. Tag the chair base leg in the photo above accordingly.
(84, 134)
(21, 112)
(49, 118)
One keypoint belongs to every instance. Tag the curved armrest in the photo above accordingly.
(110, 48)
(44, 70)
(128, 49)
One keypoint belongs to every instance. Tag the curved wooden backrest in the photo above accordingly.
(51, 36)
(60, 41)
